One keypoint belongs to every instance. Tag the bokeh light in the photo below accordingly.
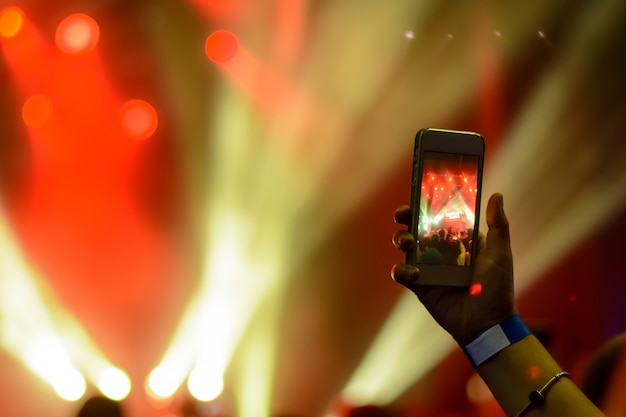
(204, 386)
(37, 110)
(221, 46)
(162, 383)
(70, 385)
(77, 34)
(138, 119)
(114, 383)
(11, 21)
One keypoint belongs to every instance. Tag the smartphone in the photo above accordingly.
(445, 205)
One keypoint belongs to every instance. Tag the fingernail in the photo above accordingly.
(501, 205)
(404, 274)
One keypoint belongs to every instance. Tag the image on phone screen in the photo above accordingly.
(448, 205)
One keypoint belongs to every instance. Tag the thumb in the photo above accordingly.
(498, 235)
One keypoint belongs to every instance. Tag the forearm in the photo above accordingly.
(526, 366)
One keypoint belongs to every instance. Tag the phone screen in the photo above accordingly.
(448, 204)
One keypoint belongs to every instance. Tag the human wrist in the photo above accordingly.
(517, 370)
(478, 324)
(494, 339)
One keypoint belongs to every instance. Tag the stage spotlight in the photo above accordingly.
(11, 21)
(162, 383)
(77, 34)
(27, 331)
(42, 336)
(204, 385)
(43, 353)
(114, 383)
(70, 385)
(225, 303)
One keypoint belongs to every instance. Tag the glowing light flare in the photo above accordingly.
(221, 46)
(28, 333)
(216, 319)
(77, 34)
(476, 289)
(38, 332)
(46, 356)
(11, 21)
(70, 385)
(162, 383)
(114, 384)
(37, 110)
(204, 385)
(138, 119)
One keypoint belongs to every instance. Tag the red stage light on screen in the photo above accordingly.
(36, 110)
(138, 119)
(221, 46)
(11, 21)
(77, 34)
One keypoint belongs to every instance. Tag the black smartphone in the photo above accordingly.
(445, 205)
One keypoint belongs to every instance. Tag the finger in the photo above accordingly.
(403, 240)
(402, 215)
(405, 275)
(498, 234)
(481, 242)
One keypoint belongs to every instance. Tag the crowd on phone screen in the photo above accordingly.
(446, 246)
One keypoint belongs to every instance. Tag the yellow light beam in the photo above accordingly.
(40, 334)
(409, 345)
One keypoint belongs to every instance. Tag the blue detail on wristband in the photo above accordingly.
(515, 329)
(496, 338)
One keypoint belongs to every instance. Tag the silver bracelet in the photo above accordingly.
(538, 396)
